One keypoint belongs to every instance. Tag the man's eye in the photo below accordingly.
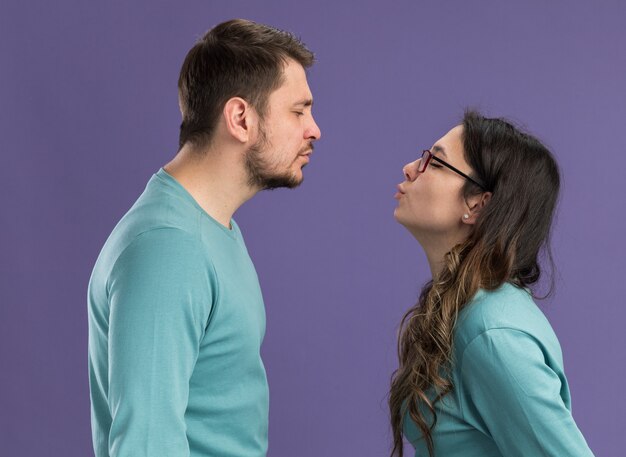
(435, 164)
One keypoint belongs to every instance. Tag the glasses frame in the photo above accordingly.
(429, 156)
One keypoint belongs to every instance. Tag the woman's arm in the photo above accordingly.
(513, 394)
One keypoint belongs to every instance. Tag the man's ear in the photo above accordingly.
(239, 119)
(475, 204)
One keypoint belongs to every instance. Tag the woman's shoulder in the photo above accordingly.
(508, 307)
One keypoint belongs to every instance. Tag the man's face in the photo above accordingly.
(286, 134)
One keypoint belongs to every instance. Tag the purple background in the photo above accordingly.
(89, 112)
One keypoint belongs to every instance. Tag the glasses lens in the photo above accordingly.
(424, 161)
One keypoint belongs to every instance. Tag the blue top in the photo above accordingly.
(510, 394)
(176, 321)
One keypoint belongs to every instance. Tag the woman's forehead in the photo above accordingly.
(451, 144)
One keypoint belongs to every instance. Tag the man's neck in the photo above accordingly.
(216, 180)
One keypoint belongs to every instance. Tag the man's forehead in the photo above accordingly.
(295, 87)
(293, 70)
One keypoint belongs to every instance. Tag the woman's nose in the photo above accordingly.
(410, 170)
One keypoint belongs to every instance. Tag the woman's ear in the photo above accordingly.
(475, 204)
(239, 118)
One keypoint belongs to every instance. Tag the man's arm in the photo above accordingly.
(160, 294)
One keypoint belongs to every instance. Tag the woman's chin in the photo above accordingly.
(396, 215)
(400, 217)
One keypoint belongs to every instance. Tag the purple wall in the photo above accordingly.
(89, 112)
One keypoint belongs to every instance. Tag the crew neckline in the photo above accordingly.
(169, 179)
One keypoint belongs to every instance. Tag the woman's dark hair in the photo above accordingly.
(237, 58)
(504, 246)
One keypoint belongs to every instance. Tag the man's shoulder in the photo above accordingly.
(156, 217)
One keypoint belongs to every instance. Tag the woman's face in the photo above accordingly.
(431, 204)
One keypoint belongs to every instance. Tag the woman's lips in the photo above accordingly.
(400, 192)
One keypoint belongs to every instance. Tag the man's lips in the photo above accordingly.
(306, 155)
(307, 150)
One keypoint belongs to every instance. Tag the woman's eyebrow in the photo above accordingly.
(440, 149)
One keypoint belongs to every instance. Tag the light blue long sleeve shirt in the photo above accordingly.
(510, 397)
(176, 321)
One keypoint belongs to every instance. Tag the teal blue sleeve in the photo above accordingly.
(160, 295)
(517, 396)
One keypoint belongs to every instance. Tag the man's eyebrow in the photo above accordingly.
(305, 102)
(440, 149)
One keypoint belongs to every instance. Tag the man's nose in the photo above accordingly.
(313, 132)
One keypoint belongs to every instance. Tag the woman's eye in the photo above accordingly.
(299, 113)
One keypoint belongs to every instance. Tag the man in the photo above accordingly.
(176, 316)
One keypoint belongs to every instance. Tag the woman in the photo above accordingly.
(481, 370)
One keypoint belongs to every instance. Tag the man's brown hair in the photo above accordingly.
(237, 58)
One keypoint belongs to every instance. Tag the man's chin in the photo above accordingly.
(289, 182)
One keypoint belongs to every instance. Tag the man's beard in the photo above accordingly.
(260, 174)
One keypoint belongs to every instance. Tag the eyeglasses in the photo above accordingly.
(426, 158)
